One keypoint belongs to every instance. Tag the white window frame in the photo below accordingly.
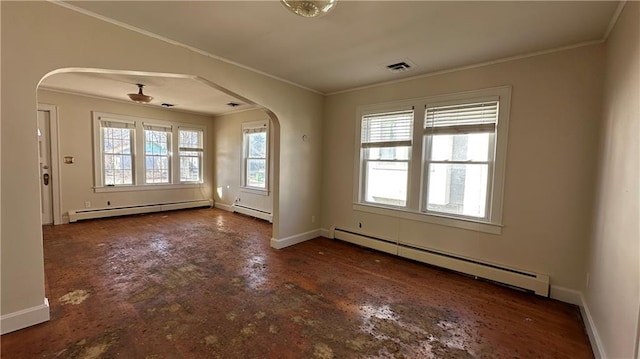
(416, 201)
(365, 147)
(138, 153)
(101, 121)
(249, 127)
(199, 150)
(158, 128)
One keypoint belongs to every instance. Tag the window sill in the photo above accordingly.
(151, 187)
(258, 191)
(471, 225)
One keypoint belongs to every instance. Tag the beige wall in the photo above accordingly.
(40, 37)
(227, 131)
(76, 139)
(613, 292)
(555, 106)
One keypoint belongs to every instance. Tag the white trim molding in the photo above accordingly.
(327, 233)
(575, 297)
(56, 164)
(592, 331)
(566, 295)
(224, 206)
(25, 318)
(295, 239)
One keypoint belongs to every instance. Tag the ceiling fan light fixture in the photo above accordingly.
(310, 8)
(140, 97)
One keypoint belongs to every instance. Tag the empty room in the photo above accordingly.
(320, 179)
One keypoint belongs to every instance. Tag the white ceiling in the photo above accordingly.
(186, 94)
(351, 46)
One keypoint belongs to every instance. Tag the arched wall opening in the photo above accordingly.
(38, 38)
(83, 91)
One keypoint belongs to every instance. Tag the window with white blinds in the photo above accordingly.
(386, 146)
(461, 143)
(462, 118)
(387, 129)
(459, 158)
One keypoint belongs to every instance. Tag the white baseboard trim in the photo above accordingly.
(24, 318)
(224, 207)
(327, 233)
(592, 331)
(295, 239)
(566, 295)
(572, 296)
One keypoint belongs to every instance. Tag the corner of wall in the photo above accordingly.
(25, 318)
(295, 239)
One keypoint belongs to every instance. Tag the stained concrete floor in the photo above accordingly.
(205, 284)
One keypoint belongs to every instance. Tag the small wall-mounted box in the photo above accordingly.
(68, 159)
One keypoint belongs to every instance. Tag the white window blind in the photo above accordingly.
(158, 128)
(462, 118)
(387, 129)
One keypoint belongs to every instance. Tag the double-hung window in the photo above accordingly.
(116, 144)
(385, 150)
(132, 153)
(447, 169)
(191, 149)
(255, 141)
(157, 142)
(459, 160)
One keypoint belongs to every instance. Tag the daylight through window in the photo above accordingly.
(460, 151)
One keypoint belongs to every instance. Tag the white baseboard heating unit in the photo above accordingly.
(252, 212)
(89, 213)
(534, 282)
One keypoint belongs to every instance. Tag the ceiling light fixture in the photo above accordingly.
(310, 8)
(140, 97)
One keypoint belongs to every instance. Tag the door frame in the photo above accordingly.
(55, 160)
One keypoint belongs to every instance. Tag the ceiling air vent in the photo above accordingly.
(401, 66)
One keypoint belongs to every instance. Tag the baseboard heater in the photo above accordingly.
(252, 212)
(81, 214)
(534, 282)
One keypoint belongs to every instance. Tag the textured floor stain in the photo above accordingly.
(322, 351)
(249, 329)
(94, 352)
(259, 315)
(206, 284)
(90, 348)
(211, 340)
(74, 298)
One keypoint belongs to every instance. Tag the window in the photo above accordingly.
(156, 151)
(116, 141)
(255, 147)
(191, 149)
(460, 148)
(385, 146)
(132, 153)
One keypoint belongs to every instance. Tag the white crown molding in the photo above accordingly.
(176, 43)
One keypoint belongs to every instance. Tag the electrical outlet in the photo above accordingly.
(87, 204)
(108, 203)
(313, 219)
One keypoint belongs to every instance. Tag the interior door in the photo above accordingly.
(44, 150)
